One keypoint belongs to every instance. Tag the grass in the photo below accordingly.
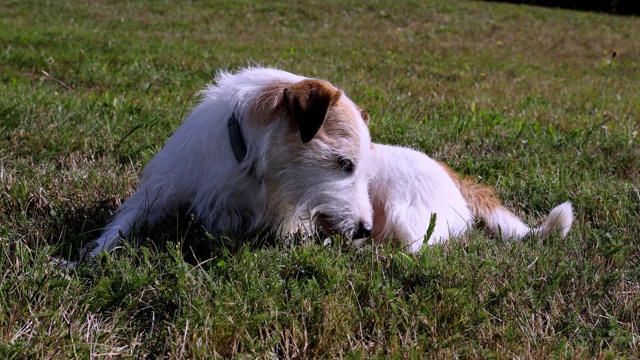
(528, 99)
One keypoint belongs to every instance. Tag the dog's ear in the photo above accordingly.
(365, 116)
(307, 103)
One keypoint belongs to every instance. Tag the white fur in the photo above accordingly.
(281, 186)
(414, 187)
(408, 187)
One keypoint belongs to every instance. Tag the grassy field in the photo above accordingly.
(530, 100)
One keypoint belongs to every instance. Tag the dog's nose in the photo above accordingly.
(364, 231)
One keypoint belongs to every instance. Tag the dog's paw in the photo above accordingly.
(327, 242)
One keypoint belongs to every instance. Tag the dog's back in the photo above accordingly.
(408, 188)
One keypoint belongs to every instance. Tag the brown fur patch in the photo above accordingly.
(341, 125)
(364, 114)
(308, 103)
(379, 216)
(267, 104)
(340, 122)
(481, 199)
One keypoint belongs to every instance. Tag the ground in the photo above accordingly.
(540, 103)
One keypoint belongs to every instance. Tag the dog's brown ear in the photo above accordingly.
(365, 116)
(307, 103)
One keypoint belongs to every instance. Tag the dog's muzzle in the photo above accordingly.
(364, 231)
(328, 226)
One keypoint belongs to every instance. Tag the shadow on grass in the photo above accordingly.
(71, 231)
(617, 7)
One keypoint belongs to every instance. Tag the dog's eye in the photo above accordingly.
(346, 165)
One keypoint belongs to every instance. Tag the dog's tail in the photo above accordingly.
(503, 222)
(485, 206)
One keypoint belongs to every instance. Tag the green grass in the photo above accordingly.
(528, 99)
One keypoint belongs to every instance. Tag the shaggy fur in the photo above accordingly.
(408, 187)
(306, 168)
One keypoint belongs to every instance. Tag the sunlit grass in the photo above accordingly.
(529, 100)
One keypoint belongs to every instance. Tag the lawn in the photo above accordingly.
(540, 103)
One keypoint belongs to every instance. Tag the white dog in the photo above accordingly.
(408, 187)
(264, 150)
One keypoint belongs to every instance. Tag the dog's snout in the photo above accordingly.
(364, 231)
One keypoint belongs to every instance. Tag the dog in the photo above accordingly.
(265, 150)
(407, 187)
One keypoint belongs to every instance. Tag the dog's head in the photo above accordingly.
(319, 156)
